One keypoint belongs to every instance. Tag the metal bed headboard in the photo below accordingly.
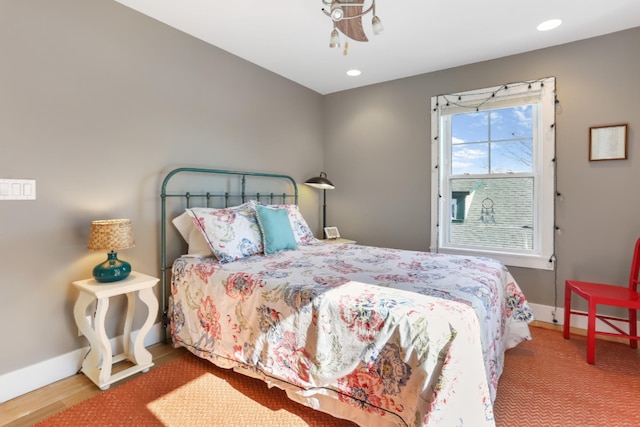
(208, 198)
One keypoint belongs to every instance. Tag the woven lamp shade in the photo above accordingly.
(111, 235)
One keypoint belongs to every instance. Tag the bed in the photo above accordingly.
(377, 336)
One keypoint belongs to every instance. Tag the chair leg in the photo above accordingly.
(566, 329)
(591, 334)
(633, 327)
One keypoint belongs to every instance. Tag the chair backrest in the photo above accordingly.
(635, 268)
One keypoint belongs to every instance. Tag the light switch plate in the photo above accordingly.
(17, 189)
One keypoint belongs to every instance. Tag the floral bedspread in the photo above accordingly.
(368, 334)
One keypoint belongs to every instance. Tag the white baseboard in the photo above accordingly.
(24, 380)
(545, 313)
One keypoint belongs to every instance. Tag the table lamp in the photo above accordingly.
(111, 235)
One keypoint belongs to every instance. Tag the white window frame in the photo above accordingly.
(541, 92)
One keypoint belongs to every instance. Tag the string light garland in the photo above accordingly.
(458, 100)
(558, 230)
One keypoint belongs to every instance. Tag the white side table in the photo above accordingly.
(99, 361)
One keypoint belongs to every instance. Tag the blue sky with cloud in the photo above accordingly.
(492, 141)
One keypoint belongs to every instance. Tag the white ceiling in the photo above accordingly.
(291, 37)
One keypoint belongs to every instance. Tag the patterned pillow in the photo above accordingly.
(301, 231)
(232, 233)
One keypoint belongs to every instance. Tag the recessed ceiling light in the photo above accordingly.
(353, 73)
(549, 25)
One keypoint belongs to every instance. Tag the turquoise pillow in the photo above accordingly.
(275, 226)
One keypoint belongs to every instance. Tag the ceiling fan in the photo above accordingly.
(347, 18)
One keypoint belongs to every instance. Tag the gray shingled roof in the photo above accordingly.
(511, 200)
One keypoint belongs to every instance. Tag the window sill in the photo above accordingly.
(537, 262)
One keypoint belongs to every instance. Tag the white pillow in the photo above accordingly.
(197, 245)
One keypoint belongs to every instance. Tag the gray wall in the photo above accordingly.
(97, 103)
(378, 155)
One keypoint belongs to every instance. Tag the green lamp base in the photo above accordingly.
(112, 270)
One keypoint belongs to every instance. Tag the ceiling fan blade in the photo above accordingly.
(352, 28)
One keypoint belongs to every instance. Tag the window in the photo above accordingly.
(494, 173)
(458, 203)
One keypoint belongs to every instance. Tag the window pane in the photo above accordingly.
(498, 213)
(512, 156)
(470, 127)
(511, 123)
(470, 159)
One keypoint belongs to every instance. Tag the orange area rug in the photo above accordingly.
(546, 382)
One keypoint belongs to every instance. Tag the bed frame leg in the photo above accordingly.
(165, 325)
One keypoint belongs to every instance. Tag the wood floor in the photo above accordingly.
(42, 403)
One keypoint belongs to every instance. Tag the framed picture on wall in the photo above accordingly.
(608, 142)
(331, 233)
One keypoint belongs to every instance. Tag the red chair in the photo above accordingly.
(611, 295)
